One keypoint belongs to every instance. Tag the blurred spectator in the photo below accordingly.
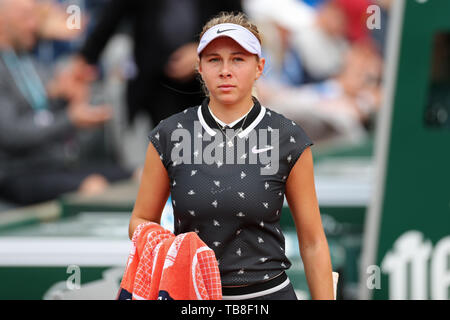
(336, 108)
(355, 13)
(312, 40)
(313, 3)
(52, 20)
(165, 34)
(278, 21)
(322, 44)
(379, 35)
(323, 69)
(39, 122)
(56, 42)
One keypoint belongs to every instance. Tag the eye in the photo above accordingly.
(238, 59)
(213, 60)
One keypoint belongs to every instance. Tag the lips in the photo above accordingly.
(226, 88)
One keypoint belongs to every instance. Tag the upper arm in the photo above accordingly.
(154, 188)
(302, 199)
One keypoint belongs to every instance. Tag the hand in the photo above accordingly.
(181, 65)
(72, 81)
(84, 115)
(64, 85)
(81, 70)
(53, 22)
(93, 185)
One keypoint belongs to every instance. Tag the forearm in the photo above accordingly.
(318, 270)
(134, 222)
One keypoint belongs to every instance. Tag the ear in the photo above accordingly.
(260, 67)
(199, 66)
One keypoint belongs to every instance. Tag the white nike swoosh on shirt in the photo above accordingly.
(254, 150)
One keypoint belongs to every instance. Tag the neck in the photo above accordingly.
(230, 112)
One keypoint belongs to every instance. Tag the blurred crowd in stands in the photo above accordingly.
(76, 103)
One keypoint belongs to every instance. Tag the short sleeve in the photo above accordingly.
(296, 141)
(159, 138)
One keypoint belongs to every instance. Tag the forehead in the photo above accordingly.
(222, 45)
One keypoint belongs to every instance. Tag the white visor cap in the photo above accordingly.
(241, 35)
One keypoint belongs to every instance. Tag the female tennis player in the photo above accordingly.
(228, 164)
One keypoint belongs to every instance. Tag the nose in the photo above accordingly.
(225, 70)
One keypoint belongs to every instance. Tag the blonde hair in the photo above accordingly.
(238, 18)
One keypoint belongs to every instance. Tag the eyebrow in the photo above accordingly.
(233, 53)
(211, 54)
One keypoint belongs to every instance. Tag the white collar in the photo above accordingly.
(242, 134)
(231, 125)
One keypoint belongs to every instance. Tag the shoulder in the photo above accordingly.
(292, 139)
(160, 135)
(175, 121)
(286, 126)
(277, 117)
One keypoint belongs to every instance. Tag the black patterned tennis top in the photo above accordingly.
(228, 185)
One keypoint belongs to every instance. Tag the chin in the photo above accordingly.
(226, 98)
(228, 101)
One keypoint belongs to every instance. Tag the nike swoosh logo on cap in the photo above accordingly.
(222, 31)
(254, 150)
